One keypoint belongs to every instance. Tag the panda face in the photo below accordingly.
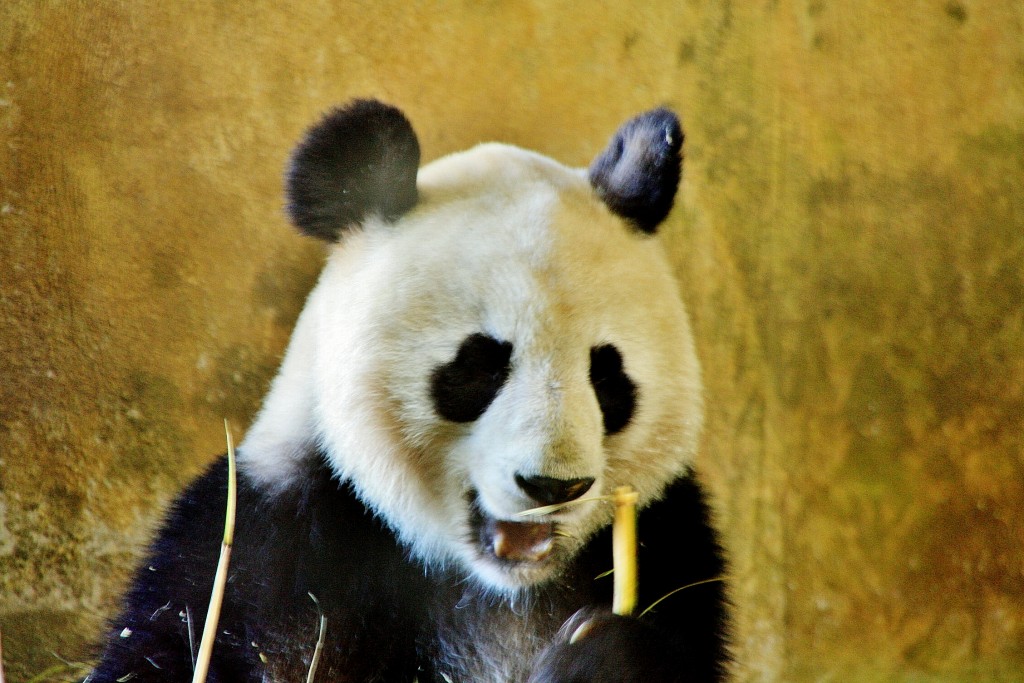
(509, 342)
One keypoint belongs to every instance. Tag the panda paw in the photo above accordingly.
(596, 646)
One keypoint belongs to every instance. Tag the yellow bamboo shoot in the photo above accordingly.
(624, 550)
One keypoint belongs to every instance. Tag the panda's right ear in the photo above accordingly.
(360, 160)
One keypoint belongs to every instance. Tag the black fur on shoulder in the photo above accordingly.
(311, 538)
(638, 174)
(360, 160)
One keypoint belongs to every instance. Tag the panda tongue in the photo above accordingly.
(521, 541)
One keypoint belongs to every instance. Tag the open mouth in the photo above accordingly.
(511, 542)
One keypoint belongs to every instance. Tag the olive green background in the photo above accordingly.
(850, 238)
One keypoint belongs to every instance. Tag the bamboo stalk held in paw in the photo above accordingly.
(624, 550)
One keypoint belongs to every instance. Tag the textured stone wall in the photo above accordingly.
(850, 236)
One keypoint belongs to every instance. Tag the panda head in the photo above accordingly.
(491, 333)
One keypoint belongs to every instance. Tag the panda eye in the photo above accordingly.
(615, 391)
(463, 388)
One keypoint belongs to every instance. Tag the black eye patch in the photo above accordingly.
(615, 391)
(463, 388)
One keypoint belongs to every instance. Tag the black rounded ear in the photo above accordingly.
(638, 174)
(360, 160)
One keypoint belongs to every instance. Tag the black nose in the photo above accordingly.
(551, 491)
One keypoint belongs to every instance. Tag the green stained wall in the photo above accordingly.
(850, 237)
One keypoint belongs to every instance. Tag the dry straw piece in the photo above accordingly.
(220, 579)
(315, 660)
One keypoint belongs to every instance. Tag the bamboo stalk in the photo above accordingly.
(221, 577)
(624, 550)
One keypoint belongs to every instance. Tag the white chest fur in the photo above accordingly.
(494, 642)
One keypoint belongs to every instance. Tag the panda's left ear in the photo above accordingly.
(360, 160)
(638, 174)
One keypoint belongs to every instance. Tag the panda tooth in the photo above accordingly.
(501, 547)
(541, 550)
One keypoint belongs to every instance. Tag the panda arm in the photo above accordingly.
(683, 637)
(311, 538)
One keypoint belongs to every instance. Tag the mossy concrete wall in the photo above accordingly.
(850, 236)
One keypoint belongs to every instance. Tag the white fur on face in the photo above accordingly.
(509, 244)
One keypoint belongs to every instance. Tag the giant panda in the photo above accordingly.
(491, 333)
